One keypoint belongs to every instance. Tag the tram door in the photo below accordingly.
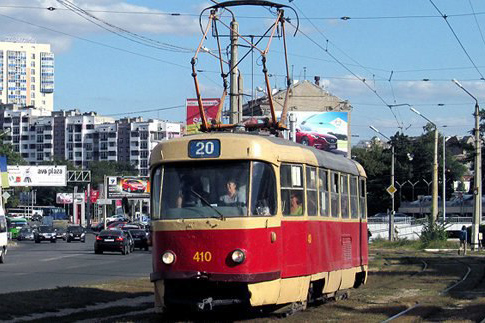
(293, 225)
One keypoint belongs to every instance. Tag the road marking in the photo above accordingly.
(60, 257)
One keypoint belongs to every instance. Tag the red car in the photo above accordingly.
(317, 140)
(133, 185)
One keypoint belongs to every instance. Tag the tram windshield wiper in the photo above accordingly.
(208, 204)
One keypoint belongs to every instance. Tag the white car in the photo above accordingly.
(117, 217)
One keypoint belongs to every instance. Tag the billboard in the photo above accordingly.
(129, 187)
(193, 116)
(37, 175)
(325, 130)
(66, 198)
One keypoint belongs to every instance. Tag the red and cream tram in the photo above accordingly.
(254, 220)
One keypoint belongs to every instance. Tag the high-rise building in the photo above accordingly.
(27, 75)
(40, 135)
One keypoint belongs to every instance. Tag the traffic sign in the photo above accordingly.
(104, 201)
(5, 195)
(391, 190)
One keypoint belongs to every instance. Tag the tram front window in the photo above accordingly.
(205, 189)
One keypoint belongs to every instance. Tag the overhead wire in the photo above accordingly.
(131, 36)
(476, 21)
(445, 17)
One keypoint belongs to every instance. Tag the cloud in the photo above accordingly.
(21, 21)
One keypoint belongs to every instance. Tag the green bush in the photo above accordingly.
(433, 232)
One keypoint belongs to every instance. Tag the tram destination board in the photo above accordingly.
(207, 148)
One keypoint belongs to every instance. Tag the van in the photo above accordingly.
(3, 236)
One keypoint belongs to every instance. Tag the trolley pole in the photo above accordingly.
(477, 189)
(234, 71)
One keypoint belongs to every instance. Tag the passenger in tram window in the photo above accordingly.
(233, 196)
(179, 200)
(296, 207)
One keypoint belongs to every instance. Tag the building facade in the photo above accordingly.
(40, 135)
(27, 75)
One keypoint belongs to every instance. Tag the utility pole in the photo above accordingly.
(234, 74)
(391, 189)
(444, 179)
(477, 189)
(434, 205)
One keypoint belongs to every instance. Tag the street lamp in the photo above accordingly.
(391, 189)
(477, 190)
(434, 205)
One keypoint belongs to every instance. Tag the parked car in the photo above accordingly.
(398, 217)
(116, 225)
(26, 233)
(75, 233)
(140, 237)
(317, 140)
(133, 185)
(116, 217)
(45, 233)
(111, 240)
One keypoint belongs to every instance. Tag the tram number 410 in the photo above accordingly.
(204, 148)
(202, 256)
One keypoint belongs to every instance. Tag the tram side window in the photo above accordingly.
(292, 202)
(354, 198)
(323, 191)
(263, 198)
(362, 198)
(334, 195)
(155, 188)
(344, 185)
(311, 191)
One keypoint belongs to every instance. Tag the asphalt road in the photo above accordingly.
(32, 266)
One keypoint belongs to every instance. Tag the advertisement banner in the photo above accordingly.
(37, 175)
(66, 198)
(94, 196)
(129, 187)
(328, 131)
(193, 116)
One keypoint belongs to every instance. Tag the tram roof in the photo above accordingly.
(276, 148)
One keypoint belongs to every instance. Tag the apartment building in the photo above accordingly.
(27, 75)
(40, 135)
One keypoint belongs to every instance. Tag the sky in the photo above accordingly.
(132, 58)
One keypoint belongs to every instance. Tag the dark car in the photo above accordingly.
(111, 240)
(140, 237)
(75, 233)
(98, 227)
(45, 233)
(317, 140)
(26, 233)
(60, 233)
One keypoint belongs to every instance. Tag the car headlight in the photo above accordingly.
(168, 258)
(82, 234)
(238, 256)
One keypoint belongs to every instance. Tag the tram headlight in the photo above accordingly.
(168, 258)
(238, 256)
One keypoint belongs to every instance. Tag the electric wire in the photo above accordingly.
(182, 14)
(476, 21)
(145, 111)
(445, 17)
(131, 36)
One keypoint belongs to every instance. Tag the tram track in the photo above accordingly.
(470, 285)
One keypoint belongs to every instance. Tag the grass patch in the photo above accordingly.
(53, 300)
(416, 245)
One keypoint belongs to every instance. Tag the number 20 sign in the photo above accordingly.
(208, 148)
